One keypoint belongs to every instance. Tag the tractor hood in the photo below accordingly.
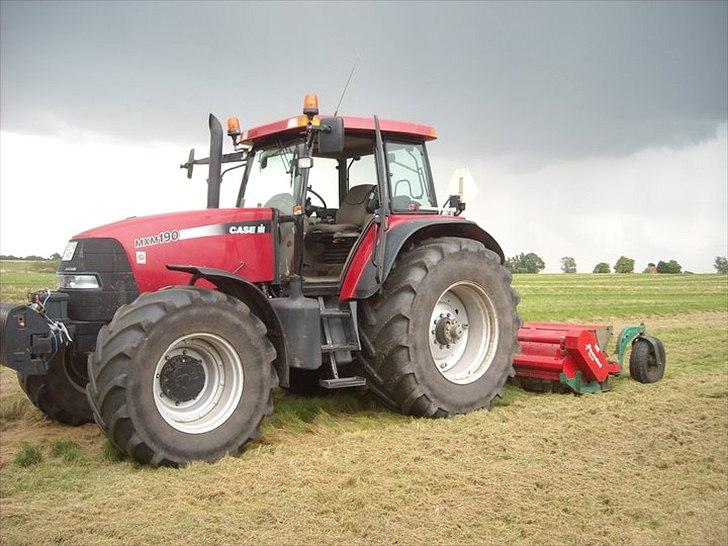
(234, 240)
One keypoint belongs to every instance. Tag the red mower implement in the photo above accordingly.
(332, 267)
(563, 357)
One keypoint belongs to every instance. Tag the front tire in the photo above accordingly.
(61, 392)
(182, 374)
(439, 339)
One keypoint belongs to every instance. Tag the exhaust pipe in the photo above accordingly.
(213, 177)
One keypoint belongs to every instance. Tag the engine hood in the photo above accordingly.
(234, 240)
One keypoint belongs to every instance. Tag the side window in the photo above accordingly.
(362, 171)
(409, 180)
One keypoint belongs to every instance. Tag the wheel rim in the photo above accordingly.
(463, 333)
(198, 383)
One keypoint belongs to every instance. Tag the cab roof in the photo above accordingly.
(353, 124)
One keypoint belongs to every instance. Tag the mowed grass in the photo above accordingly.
(640, 464)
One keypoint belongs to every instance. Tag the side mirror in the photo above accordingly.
(372, 203)
(331, 135)
(304, 163)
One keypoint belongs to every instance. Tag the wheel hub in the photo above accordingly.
(463, 332)
(182, 378)
(449, 330)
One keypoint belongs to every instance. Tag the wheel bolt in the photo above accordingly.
(176, 403)
(442, 315)
(184, 351)
(448, 346)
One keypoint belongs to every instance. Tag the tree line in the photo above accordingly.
(32, 258)
(533, 263)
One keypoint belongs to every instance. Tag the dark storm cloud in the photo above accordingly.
(541, 79)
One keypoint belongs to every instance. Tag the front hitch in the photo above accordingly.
(33, 334)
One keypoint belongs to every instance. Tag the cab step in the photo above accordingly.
(343, 382)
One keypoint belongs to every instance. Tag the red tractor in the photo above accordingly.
(334, 267)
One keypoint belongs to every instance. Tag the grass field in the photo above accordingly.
(640, 464)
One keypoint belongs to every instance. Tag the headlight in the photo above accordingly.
(77, 281)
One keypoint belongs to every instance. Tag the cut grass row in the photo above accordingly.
(640, 464)
(543, 297)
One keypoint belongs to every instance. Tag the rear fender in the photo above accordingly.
(359, 280)
(255, 299)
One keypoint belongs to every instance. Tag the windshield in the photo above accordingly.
(272, 181)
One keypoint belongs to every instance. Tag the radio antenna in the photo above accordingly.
(346, 86)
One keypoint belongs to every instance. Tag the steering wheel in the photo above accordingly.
(310, 209)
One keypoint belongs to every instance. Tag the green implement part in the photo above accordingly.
(625, 339)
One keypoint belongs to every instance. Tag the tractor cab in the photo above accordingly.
(321, 177)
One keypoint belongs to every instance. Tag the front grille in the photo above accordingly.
(106, 259)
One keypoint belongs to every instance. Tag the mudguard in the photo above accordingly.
(254, 298)
(359, 280)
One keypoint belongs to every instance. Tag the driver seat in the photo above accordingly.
(351, 216)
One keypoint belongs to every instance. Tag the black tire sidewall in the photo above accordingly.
(219, 319)
(56, 394)
(475, 268)
(642, 350)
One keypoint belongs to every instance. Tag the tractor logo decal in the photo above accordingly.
(235, 228)
(158, 239)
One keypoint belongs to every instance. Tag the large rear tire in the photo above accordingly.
(180, 375)
(439, 339)
(61, 393)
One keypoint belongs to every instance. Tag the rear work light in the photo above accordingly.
(77, 281)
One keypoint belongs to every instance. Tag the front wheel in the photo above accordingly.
(440, 337)
(61, 392)
(180, 375)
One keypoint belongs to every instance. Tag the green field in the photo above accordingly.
(639, 464)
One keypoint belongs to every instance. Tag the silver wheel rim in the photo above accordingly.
(463, 333)
(220, 393)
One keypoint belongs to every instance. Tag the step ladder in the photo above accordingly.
(341, 336)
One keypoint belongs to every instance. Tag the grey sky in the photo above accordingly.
(548, 79)
(523, 92)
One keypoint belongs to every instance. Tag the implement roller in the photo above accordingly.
(561, 357)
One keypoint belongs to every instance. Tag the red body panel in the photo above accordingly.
(550, 349)
(239, 241)
(364, 252)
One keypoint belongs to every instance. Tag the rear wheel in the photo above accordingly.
(440, 338)
(182, 374)
(61, 393)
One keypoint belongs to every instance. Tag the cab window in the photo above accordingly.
(410, 184)
(323, 178)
